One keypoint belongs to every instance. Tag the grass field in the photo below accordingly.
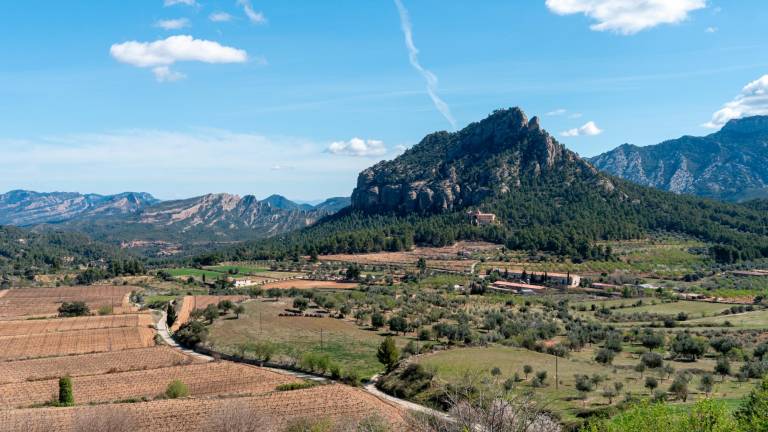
(239, 269)
(198, 273)
(345, 343)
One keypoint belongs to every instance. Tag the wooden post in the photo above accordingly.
(557, 383)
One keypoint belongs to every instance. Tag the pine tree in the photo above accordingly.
(388, 353)
(170, 317)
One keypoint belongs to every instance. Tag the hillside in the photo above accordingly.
(171, 227)
(546, 198)
(729, 165)
(24, 208)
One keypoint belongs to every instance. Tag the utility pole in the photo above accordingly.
(557, 380)
(260, 326)
(321, 339)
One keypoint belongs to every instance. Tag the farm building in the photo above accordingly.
(240, 283)
(567, 279)
(479, 218)
(519, 288)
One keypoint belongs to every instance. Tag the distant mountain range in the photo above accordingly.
(729, 165)
(140, 221)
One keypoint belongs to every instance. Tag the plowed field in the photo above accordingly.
(75, 342)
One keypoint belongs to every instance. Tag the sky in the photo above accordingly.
(185, 97)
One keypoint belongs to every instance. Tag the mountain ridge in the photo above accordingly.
(730, 164)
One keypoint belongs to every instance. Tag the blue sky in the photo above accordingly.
(300, 96)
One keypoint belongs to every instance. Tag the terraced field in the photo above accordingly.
(75, 342)
(46, 301)
(268, 413)
(27, 327)
(190, 303)
(139, 359)
(221, 378)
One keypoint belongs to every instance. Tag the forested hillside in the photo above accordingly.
(546, 198)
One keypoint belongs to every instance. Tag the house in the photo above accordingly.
(241, 283)
(478, 218)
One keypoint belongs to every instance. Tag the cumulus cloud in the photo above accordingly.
(413, 56)
(753, 100)
(358, 147)
(589, 129)
(220, 17)
(255, 17)
(627, 16)
(163, 53)
(179, 2)
(173, 24)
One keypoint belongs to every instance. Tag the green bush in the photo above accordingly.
(176, 389)
(66, 394)
(73, 309)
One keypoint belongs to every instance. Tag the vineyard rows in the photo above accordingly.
(92, 364)
(75, 342)
(27, 327)
(190, 303)
(336, 402)
(205, 379)
(46, 301)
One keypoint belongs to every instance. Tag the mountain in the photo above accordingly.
(24, 208)
(729, 165)
(170, 227)
(544, 196)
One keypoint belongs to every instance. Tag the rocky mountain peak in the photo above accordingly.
(450, 170)
(748, 125)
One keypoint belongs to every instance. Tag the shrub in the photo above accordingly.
(315, 362)
(387, 353)
(751, 413)
(192, 333)
(652, 360)
(66, 395)
(296, 386)
(176, 389)
(73, 309)
(605, 356)
(105, 310)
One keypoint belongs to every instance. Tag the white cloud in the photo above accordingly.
(711, 30)
(165, 74)
(575, 115)
(413, 56)
(628, 16)
(179, 2)
(176, 163)
(753, 100)
(589, 129)
(220, 17)
(173, 24)
(557, 112)
(163, 53)
(358, 147)
(255, 17)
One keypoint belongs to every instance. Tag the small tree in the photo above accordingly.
(652, 360)
(238, 309)
(605, 356)
(66, 394)
(388, 354)
(225, 305)
(584, 385)
(640, 367)
(610, 393)
(651, 383)
(176, 389)
(679, 388)
(652, 340)
(300, 303)
(398, 324)
(170, 317)
(706, 383)
(723, 367)
(527, 369)
(73, 309)
(751, 414)
(377, 320)
(210, 313)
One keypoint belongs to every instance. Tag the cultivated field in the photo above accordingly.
(92, 364)
(190, 303)
(220, 378)
(27, 327)
(310, 284)
(268, 413)
(46, 301)
(75, 342)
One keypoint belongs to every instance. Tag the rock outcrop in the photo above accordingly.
(447, 171)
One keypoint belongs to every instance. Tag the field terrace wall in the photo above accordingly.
(272, 412)
(190, 303)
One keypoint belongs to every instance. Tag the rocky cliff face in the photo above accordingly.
(448, 171)
(730, 165)
(22, 208)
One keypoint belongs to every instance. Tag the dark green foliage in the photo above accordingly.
(752, 414)
(176, 389)
(377, 320)
(605, 356)
(688, 347)
(170, 317)
(406, 382)
(191, 333)
(66, 394)
(398, 324)
(210, 313)
(300, 303)
(652, 360)
(388, 354)
(73, 309)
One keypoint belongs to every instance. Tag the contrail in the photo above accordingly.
(413, 56)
